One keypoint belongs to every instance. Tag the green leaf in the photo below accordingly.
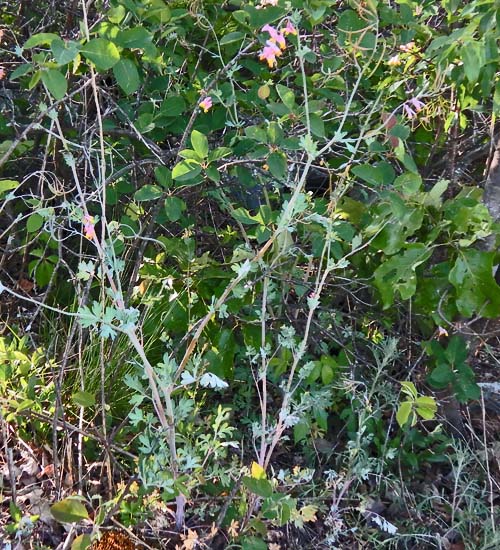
(157, 10)
(317, 125)
(277, 165)
(260, 487)
(397, 274)
(84, 398)
(103, 53)
(327, 374)
(409, 389)
(381, 174)
(148, 193)
(8, 185)
(34, 223)
(69, 510)
(253, 543)
(441, 376)
(23, 69)
(55, 82)
(218, 153)
(476, 289)
(408, 183)
(405, 410)
(136, 37)
(200, 143)
(426, 407)
(174, 207)
(64, 52)
(243, 216)
(116, 14)
(163, 176)
(473, 59)
(274, 133)
(186, 170)
(127, 76)
(231, 37)
(42, 38)
(173, 106)
(286, 95)
(81, 542)
(213, 173)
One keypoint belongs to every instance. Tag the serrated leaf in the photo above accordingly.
(69, 510)
(56, 83)
(127, 76)
(200, 143)
(103, 53)
(84, 399)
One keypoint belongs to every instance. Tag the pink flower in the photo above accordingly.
(410, 113)
(289, 29)
(412, 107)
(2, 73)
(206, 104)
(89, 226)
(275, 35)
(269, 53)
(417, 104)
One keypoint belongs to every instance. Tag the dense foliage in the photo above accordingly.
(250, 249)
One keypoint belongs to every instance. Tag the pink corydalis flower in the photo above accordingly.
(206, 104)
(412, 107)
(276, 36)
(417, 104)
(269, 53)
(89, 226)
(289, 29)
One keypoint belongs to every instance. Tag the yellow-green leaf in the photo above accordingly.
(69, 510)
